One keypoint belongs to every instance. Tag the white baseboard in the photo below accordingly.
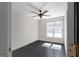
(24, 45)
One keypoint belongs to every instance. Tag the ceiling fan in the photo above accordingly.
(40, 12)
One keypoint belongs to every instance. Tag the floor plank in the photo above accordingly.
(36, 50)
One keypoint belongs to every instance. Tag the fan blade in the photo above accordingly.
(34, 12)
(43, 6)
(46, 15)
(35, 16)
(33, 6)
(45, 12)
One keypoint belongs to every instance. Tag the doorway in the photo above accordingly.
(25, 30)
(25, 35)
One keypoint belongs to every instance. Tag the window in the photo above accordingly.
(50, 29)
(55, 29)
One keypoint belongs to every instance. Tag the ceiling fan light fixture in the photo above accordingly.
(41, 12)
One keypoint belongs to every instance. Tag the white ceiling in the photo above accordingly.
(54, 8)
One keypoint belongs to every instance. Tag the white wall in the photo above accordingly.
(23, 29)
(42, 31)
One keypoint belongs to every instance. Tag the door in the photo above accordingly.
(2, 39)
(76, 28)
(71, 45)
(5, 16)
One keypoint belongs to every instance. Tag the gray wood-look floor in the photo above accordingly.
(36, 50)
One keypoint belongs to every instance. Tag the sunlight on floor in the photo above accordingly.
(53, 46)
(46, 45)
(56, 46)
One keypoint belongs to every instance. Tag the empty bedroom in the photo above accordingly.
(39, 29)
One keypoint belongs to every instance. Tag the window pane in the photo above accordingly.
(58, 26)
(58, 35)
(49, 34)
(58, 29)
(50, 29)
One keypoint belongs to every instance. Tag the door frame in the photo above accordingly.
(9, 29)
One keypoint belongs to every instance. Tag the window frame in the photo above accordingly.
(53, 29)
